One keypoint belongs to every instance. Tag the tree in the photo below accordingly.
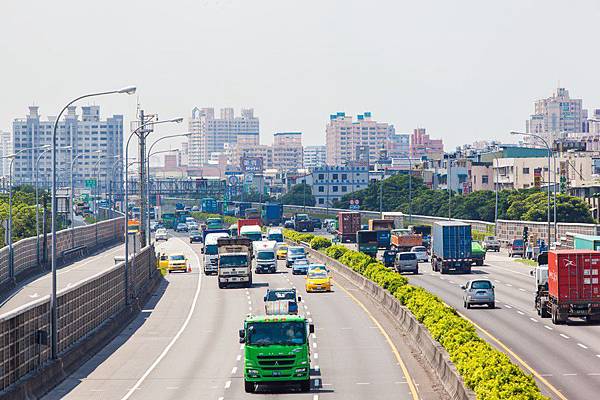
(299, 195)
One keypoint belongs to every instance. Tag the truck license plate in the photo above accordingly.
(276, 373)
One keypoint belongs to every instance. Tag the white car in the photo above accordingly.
(421, 253)
(161, 234)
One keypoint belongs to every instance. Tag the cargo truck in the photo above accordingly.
(586, 242)
(276, 351)
(264, 254)
(272, 214)
(569, 286)
(247, 222)
(381, 224)
(252, 213)
(404, 240)
(451, 247)
(367, 242)
(303, 223)
(235, 261)
(252, 232)
(348, 225)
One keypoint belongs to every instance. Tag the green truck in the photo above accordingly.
(477, 253)
(276, 351)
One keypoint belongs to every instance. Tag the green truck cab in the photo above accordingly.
(276, 350)
(477, 253)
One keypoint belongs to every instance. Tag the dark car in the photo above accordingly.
(300, 266)
(195, 237)
(289, 224)
(181, 227)
(317, 224)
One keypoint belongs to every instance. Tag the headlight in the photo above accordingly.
(252, 372)
(300, 370)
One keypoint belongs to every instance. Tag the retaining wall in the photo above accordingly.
(92, 237)
(83, 311)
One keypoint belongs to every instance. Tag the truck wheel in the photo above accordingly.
(417, 271)
(249, 386)
(492, 304)
(221, 285)
(479, 262)
(305, 386)
(555, 317)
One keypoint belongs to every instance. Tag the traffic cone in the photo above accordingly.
(189, 269)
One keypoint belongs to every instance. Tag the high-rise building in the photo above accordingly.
(287, 151)
(556, 116)
(6, 148)
(421, 145)
(315, 156)
(86, 136)
(399, 146)
(346, 139)
(210, 134)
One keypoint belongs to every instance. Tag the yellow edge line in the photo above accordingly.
(409, 379)
(519, 359)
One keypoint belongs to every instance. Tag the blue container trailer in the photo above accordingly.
(451, 247)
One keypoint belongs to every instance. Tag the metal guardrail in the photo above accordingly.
(82, 309)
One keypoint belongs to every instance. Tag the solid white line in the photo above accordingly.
(583, 346)
(565, 336)
(177, 335)
(227, 384)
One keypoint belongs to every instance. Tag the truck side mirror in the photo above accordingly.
(311, 328)
(242, 336)
(463, 287)
(299, 299)
(265, 298)
(531, 272)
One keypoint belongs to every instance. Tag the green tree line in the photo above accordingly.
(523, 204)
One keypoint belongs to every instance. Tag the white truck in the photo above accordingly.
(264, 254)
(252, 232)
(235, 261)
(211, 252)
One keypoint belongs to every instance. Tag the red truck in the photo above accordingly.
(568, 286)
(246, 222)
(348, 225)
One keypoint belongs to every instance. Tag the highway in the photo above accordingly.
(184, 345)
(67, 276)
(567, 356)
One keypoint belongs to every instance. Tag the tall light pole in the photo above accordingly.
(53, 304)
(409, 190)
(185, 134)
(72, 193)
(12, 157)
(549, 157)
(135, 132)
(496, 193)
(37, 202)
(448, 180)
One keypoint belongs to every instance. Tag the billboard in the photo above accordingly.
(251, 164)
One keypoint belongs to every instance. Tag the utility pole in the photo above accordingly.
(142, 178)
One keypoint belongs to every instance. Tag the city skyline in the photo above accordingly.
(296, 78)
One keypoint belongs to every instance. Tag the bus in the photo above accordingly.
(169, 220)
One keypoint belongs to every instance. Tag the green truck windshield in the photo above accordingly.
(276, 333)
(253, 236)
(233, 261)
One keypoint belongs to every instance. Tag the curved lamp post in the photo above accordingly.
(53, 305)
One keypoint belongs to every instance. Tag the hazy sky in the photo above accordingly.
(465, 70)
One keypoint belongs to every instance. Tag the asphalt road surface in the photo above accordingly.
(184, 345)
(566, 356)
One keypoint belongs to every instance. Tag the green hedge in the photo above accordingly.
(298, 236)
(318, 243)
(487, 371)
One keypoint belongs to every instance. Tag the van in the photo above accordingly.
(211, 252)
(516, 247)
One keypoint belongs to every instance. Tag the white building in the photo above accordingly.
(315, 156)
(87, 136)
(399, 146)
(6, 148)
(359, 140)
(287, 151)
(210, 134)
(557, 116)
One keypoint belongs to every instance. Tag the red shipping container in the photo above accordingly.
(246, 222)
(348, 222)
(573, 275)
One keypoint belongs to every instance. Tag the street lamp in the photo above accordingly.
(11, 266)
(186, 134)
(37, 211)
(136, 132)
(72, 193)
(53, 304)
(549, 158)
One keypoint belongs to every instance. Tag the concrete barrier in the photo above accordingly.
(90, 313)
(417, 334)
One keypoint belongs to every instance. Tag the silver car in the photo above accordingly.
(421, 253)
(407, 262)
(479, 292)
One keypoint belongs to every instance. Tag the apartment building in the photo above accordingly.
(360, 140)
(212, 135)
(421, 145)
(287, 151)
(314, 156)
(330, 183)
(6, 149)
(556, 116)
(86, 135)
(399, 146)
